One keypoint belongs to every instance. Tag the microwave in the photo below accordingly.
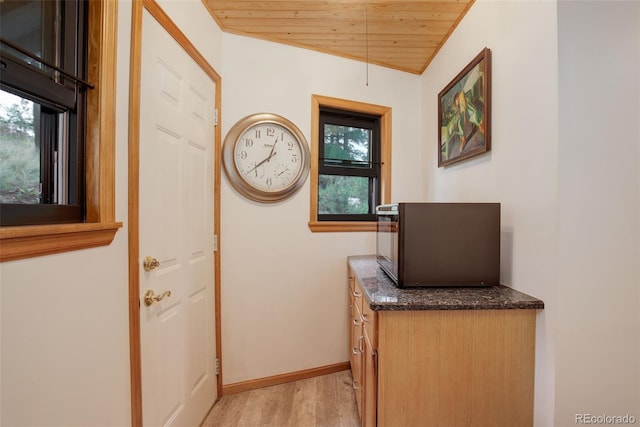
(439, 244)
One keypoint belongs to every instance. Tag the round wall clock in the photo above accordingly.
(265, 157)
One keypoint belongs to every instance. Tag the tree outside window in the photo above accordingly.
(19, 151)
(348, 187)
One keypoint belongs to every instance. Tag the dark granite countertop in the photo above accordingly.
(383, 295)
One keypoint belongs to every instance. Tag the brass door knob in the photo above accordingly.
(150, 263)
(150, 297)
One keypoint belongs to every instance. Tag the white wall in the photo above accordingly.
(598, 324)
(64, 318)
(565, 164)
(284, 297)
(194, 20)
(65, 348)
(521, 170)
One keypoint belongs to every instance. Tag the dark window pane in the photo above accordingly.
(35, 26)
(19, 150)
(343, 195)
(348, 143)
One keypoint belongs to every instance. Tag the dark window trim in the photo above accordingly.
(56, 214)
(68, 96)
(348, 168)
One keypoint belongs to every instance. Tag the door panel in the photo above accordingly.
(198, 364)
(176, 227)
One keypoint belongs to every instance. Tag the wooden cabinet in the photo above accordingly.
(369, 362)
(363, 353)
(370, 383)
(435, 367)
(355, 342)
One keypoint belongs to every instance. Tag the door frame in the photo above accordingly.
(134, 188)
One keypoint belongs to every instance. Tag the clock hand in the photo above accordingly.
(273, 148)
(271, 154)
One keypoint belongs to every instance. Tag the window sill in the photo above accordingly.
(37, 240)
(342, 226)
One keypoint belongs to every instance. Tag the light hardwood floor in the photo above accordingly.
(325, 401)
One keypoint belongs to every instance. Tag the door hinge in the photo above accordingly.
(217, 366)
(215, 118)
(215, 243)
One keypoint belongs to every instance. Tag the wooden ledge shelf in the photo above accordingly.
(340, 226)
(32, 241)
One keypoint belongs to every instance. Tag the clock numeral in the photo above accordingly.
(294, 158)
(258, 132)
(271, 132)
(290, 145)
(269, 182)
(243, 155)
(248, 142)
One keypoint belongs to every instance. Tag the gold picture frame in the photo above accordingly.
(464, 112)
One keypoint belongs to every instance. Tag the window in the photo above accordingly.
(99, 226)
(348, 165)
(350, 157)
(42, 111)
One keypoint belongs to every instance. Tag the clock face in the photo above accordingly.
(268, 157)
(265, 157)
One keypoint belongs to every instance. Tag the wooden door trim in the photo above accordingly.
(134, 186)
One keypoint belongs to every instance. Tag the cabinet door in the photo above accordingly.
(370, 323)
(357, 354)
(355, 323)
(456, 368)
(370, 378)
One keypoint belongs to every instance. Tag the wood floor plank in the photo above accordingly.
(347, 407)
(227, 412)
(303, 412)
(252, 410)
(325, 401)
(279, 407)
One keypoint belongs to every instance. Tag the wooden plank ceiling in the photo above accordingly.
(403, 35)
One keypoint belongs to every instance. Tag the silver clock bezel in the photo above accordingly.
(236, 179)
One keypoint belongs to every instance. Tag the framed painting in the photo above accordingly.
(464, 112)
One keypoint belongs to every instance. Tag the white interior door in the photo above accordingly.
(177, 333)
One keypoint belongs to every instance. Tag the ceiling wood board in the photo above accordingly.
(403, 35)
